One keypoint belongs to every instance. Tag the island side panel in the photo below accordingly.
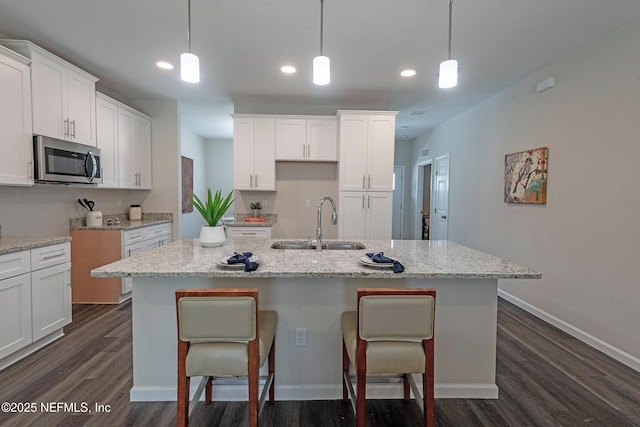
(465, 335)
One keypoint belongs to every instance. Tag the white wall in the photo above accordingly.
(586, 239)
(219, 174)
(194, 147)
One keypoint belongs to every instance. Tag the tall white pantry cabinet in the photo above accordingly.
(366, 158)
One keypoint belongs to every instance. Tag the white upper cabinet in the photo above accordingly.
(367, 141)
(124, 139)
(16, 163)
(63, 96)
(309, 139)
(254, 153)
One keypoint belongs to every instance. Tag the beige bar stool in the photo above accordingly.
(222, 333)
(390, 333)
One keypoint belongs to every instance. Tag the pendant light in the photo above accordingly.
(448, 69)
(321, 64)
(189, 63)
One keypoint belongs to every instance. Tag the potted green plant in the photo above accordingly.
(255, 208)
(212, 234)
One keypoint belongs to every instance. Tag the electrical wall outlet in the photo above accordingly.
(301, 337)
(265, 204)
(307, 204)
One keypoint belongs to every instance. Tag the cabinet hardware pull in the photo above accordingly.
(363, 186)
(304, 151)
(256, 180)
(363, 201)
(66, 127)
(308, 151)
(73, 126)
(369, 201)
(369, 186)
(248, 234)
(251, 181)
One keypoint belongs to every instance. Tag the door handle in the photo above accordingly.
(443, 217)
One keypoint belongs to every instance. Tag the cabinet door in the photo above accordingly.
(81, 109)
(15, 314)
(353, 152)
(50, 299)
(322, 140)
(379, 207)
(291, 139)
(126, 149)
(142, 156)
(107, 140)
(49, 98)
(243, 154)
(264, 154)
(352, 215)
(380, 152)
(16, 165)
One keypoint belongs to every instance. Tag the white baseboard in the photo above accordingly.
(606, 348)
(237, 392)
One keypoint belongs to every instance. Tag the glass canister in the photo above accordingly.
(135, 213)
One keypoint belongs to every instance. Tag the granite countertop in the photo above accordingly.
(269, 221)
(422, 259)
(147, 220)
(9, 244)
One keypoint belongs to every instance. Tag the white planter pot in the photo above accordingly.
(211, 237)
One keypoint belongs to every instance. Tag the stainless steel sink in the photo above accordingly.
(336, 245)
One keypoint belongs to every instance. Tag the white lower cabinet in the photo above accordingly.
(141, 240)
(262, 232)
(365, 215)
(35, 299)
(50, 299)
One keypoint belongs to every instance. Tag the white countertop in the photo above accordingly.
(422, 259)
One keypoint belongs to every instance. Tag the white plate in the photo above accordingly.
(223, 262)
(371, 263)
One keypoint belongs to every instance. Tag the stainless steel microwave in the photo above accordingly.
(58, 161)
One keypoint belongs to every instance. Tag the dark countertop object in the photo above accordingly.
(9, 244)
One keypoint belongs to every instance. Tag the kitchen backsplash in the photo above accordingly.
(75, 223)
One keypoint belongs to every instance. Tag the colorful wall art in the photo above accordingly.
(525, 177)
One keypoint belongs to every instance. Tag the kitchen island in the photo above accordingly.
(311, 289)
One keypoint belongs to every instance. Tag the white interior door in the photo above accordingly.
(439, 220)
(398, 202)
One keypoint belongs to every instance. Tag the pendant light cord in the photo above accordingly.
(450, 20)
(189, 25)
(321, 24)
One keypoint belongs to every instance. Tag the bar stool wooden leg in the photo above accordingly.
(272, 368)
(208, 391)
(407, 390)
(361, 378)
(183, 386)
(428, 385)
(345, 371)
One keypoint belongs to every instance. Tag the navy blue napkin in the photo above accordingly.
(238, 258)
(380, 257)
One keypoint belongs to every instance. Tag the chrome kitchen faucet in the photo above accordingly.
(334, 219)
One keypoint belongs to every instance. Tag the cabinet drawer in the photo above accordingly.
(14, 264)
(133, 236)
(48, 256)
(157, 231)
(260, 232)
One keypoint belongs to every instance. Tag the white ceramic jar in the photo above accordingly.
(135, 213)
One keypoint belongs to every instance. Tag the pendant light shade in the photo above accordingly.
(321, 63)
(448, 77)
(189, 63)
(189, 68)
(321, 70)
(448, 74)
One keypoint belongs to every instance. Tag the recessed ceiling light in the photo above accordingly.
(409, 72)
(288, 69)
(164, 65)
(404, 127)
(417, 113)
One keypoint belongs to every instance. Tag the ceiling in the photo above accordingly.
(243, 43)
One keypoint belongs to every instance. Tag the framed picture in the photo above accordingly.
(187, 184)
(525, 177)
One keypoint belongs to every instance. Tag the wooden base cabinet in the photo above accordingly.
(93, 248)
(35, 299)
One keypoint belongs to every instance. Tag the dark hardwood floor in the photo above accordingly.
(546, 378)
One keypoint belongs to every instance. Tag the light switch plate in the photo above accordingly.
(301, 337)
